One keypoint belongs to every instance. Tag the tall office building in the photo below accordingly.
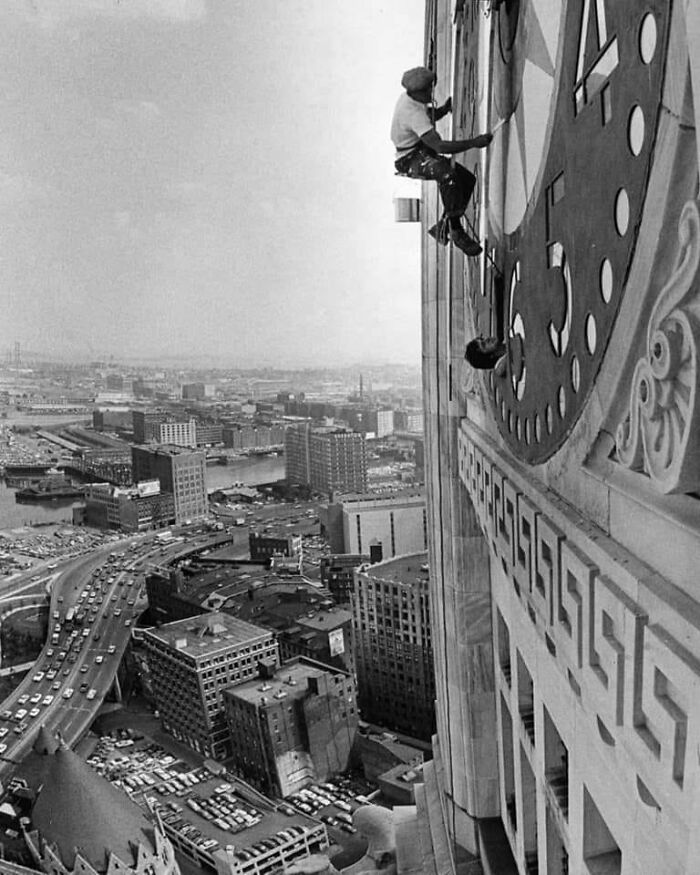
(180, 472)
(563, 495)
(326, 458)
(393, 645)
(191, 662)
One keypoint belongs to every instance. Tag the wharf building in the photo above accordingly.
(190, 664)
(393, 645)
(251, 437)
(128, 508)
(292, 726)
(563, 494)
(180, 472)
(208, 434)
(326, 459)
(397, 522)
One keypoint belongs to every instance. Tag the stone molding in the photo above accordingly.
(660, 435)
(626, 639)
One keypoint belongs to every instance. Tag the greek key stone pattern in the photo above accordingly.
(637, 676)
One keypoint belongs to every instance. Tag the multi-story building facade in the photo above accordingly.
(408, 420)
(393, 645)
(249, 437)
(338, 574)
(397, 522)
(146, 424)
(292, 726)
(563, 510)
(209, 433)
(327, 459)
(128, 508)
(180, 472)
(191, 662)
(179, 434)
(265, 545)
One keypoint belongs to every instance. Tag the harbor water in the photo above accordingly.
(249, 470)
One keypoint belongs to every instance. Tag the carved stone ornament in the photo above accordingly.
(661, 433)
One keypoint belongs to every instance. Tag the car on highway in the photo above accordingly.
(83, 669)
(111, 649)
(68, 692)
(3, 731)
(3, 748)
(23, 699)
(6, 714)
(48, 699)
(34, 712)
(91, 694)
(99, 659)
(56, 685)
(35, 698)
(84, 687)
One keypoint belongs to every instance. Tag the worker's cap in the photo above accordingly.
(418, 78)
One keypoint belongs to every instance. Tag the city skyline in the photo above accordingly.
(188, 178)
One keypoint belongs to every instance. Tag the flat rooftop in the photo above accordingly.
(325, 620)
(402, 569)
(207, 633)
(271, 688)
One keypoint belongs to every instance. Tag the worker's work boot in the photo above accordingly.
(440, 232)
(463, 241)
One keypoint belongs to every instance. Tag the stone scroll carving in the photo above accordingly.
(661, 433)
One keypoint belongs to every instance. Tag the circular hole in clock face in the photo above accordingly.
(575, 374)
(606, 280)
(591, 333)
(538, 428)
(518, 428)
(561, 402)
(510, 421)
(549, 418)
(647, 38)
(527, 432)
(503, 410)
(622, 212)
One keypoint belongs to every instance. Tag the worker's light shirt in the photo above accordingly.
(409, 124)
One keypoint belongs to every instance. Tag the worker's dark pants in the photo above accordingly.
(455, 182)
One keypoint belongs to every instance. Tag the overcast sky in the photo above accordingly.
(187, 176)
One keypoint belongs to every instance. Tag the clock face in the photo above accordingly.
(578, 85)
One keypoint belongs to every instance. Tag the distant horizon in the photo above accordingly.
(197, 363)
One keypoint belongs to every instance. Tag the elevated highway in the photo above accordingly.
(107, 588)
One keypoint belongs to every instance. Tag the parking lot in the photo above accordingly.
(203, 813)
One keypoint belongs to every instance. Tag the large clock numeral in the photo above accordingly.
(562, 287)
(597, 55)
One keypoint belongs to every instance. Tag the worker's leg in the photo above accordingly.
(455, 184)
(456, 189)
